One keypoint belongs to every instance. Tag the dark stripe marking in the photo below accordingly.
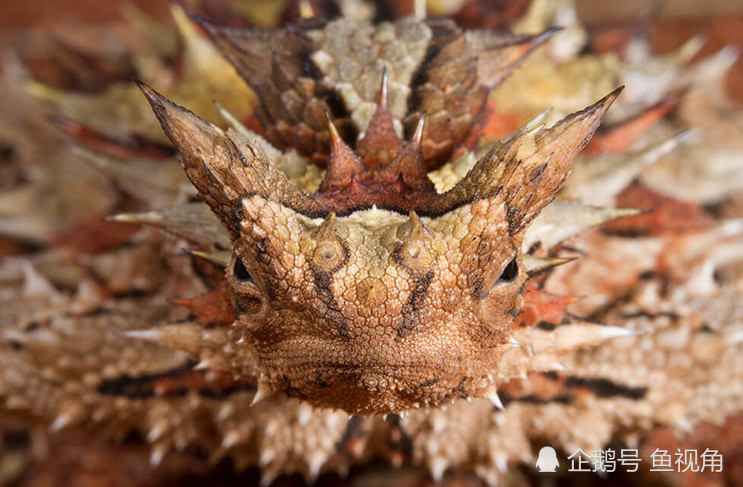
(411, 309)
(333, 313)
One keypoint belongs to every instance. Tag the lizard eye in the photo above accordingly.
(510, 273)
(247, 300)
(241, 272)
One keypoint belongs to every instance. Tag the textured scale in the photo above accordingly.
(429, 65)
(361, 267)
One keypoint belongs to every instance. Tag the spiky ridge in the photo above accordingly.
(433, 67)
(86, 360)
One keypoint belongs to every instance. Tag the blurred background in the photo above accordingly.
(29, 27)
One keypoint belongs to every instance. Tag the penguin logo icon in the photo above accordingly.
(547, 460)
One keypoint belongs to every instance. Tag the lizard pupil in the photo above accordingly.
(510, 273)
(241, 272)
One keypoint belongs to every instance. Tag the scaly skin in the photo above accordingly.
(375, 311)
(377, 287)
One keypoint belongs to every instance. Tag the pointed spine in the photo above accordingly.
(343, 164)
(380, 144)
(526, 171)
(225, 169)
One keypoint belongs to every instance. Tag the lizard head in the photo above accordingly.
(374, 311)
(351, 303)
(376, 293)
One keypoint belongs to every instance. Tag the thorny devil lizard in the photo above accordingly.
(376, 301)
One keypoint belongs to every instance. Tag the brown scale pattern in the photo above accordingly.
(434, 68)
(375, 312)
(374, 294)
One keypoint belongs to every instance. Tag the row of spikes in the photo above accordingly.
(523, 172)
(382, 170)
(189, 221)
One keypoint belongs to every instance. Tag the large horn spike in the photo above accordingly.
(543, 172)
(203, 154)
(247, 49)
(471, 65)
(498, 59)
(526, 171)
(343, 163)
(223, 166)
(380, 143)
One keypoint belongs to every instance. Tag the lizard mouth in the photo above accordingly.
(374, 388)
